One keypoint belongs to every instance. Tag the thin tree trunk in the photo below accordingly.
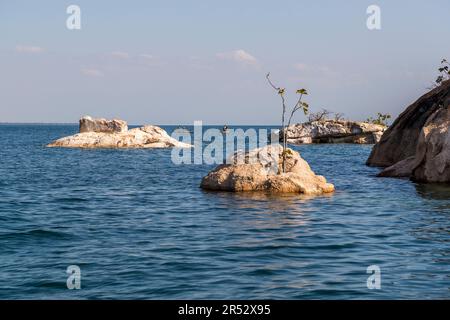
(284, 139)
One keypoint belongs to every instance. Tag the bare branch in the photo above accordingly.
(271, 83)
(338, 116)
(319, 116)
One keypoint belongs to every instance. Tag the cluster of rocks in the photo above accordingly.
(247, 175)
(263, 174)
(102, 133)
(417, 145)
(334, 131)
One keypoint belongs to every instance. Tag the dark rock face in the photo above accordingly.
(418, 143)
(432, 159)
(401, 138)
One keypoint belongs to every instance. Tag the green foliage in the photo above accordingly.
(381, 119)
(305, 107)
(299, 105)
(444, 73)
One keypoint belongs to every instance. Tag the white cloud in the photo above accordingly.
(301, 66)
(91, 72)
(239, 56)
(29, 49)
(146, 56)
(150, 60)
(120, 55)
(318, 70)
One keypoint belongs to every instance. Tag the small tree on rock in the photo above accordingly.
(319, 115)
(300, 105)
(381, 119)
(444, 74)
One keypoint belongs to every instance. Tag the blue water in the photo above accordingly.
(139, 227)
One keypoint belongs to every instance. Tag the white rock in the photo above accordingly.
(143, 137)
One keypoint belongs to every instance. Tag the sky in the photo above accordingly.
(174, 62)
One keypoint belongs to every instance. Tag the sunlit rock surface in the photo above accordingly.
(334, 131)
(101, 133)
(264, 174)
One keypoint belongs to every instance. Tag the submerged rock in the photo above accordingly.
(263, 174)
(418, 143)
(101, 133)
(334, 131)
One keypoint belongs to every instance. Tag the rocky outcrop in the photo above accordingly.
(259, 170)
(431, 162)
(432, 159)
(334, 131)
(400, 169)
(418, 143)
(400, 139)
(87, 124)
(113, 136)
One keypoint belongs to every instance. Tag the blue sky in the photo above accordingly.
(173, 62)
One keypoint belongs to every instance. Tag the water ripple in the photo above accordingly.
(140, 227)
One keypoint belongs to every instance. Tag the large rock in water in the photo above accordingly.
(102, 133)
(334, 131)
(263, 174)
(87, 124)
(417, 145)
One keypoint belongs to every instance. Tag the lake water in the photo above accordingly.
(139, 227)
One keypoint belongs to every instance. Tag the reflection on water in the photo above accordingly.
(141, 228)
(265, 201)
(262, 209)
(434, 191)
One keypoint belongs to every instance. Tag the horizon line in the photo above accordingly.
(178, 124)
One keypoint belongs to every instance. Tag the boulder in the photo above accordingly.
(143, 137)
(259, 170)
(87, 124)
(400, 139)
(431, 162)
(432, 159)
(334, 131)
(401, 169)
(418, 143)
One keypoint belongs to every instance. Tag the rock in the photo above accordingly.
(87, 124)
(401, 169)
(263, 174)
(400, 139)
(334, 131)
(432, 159)
(422, 156)
(144, 137)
